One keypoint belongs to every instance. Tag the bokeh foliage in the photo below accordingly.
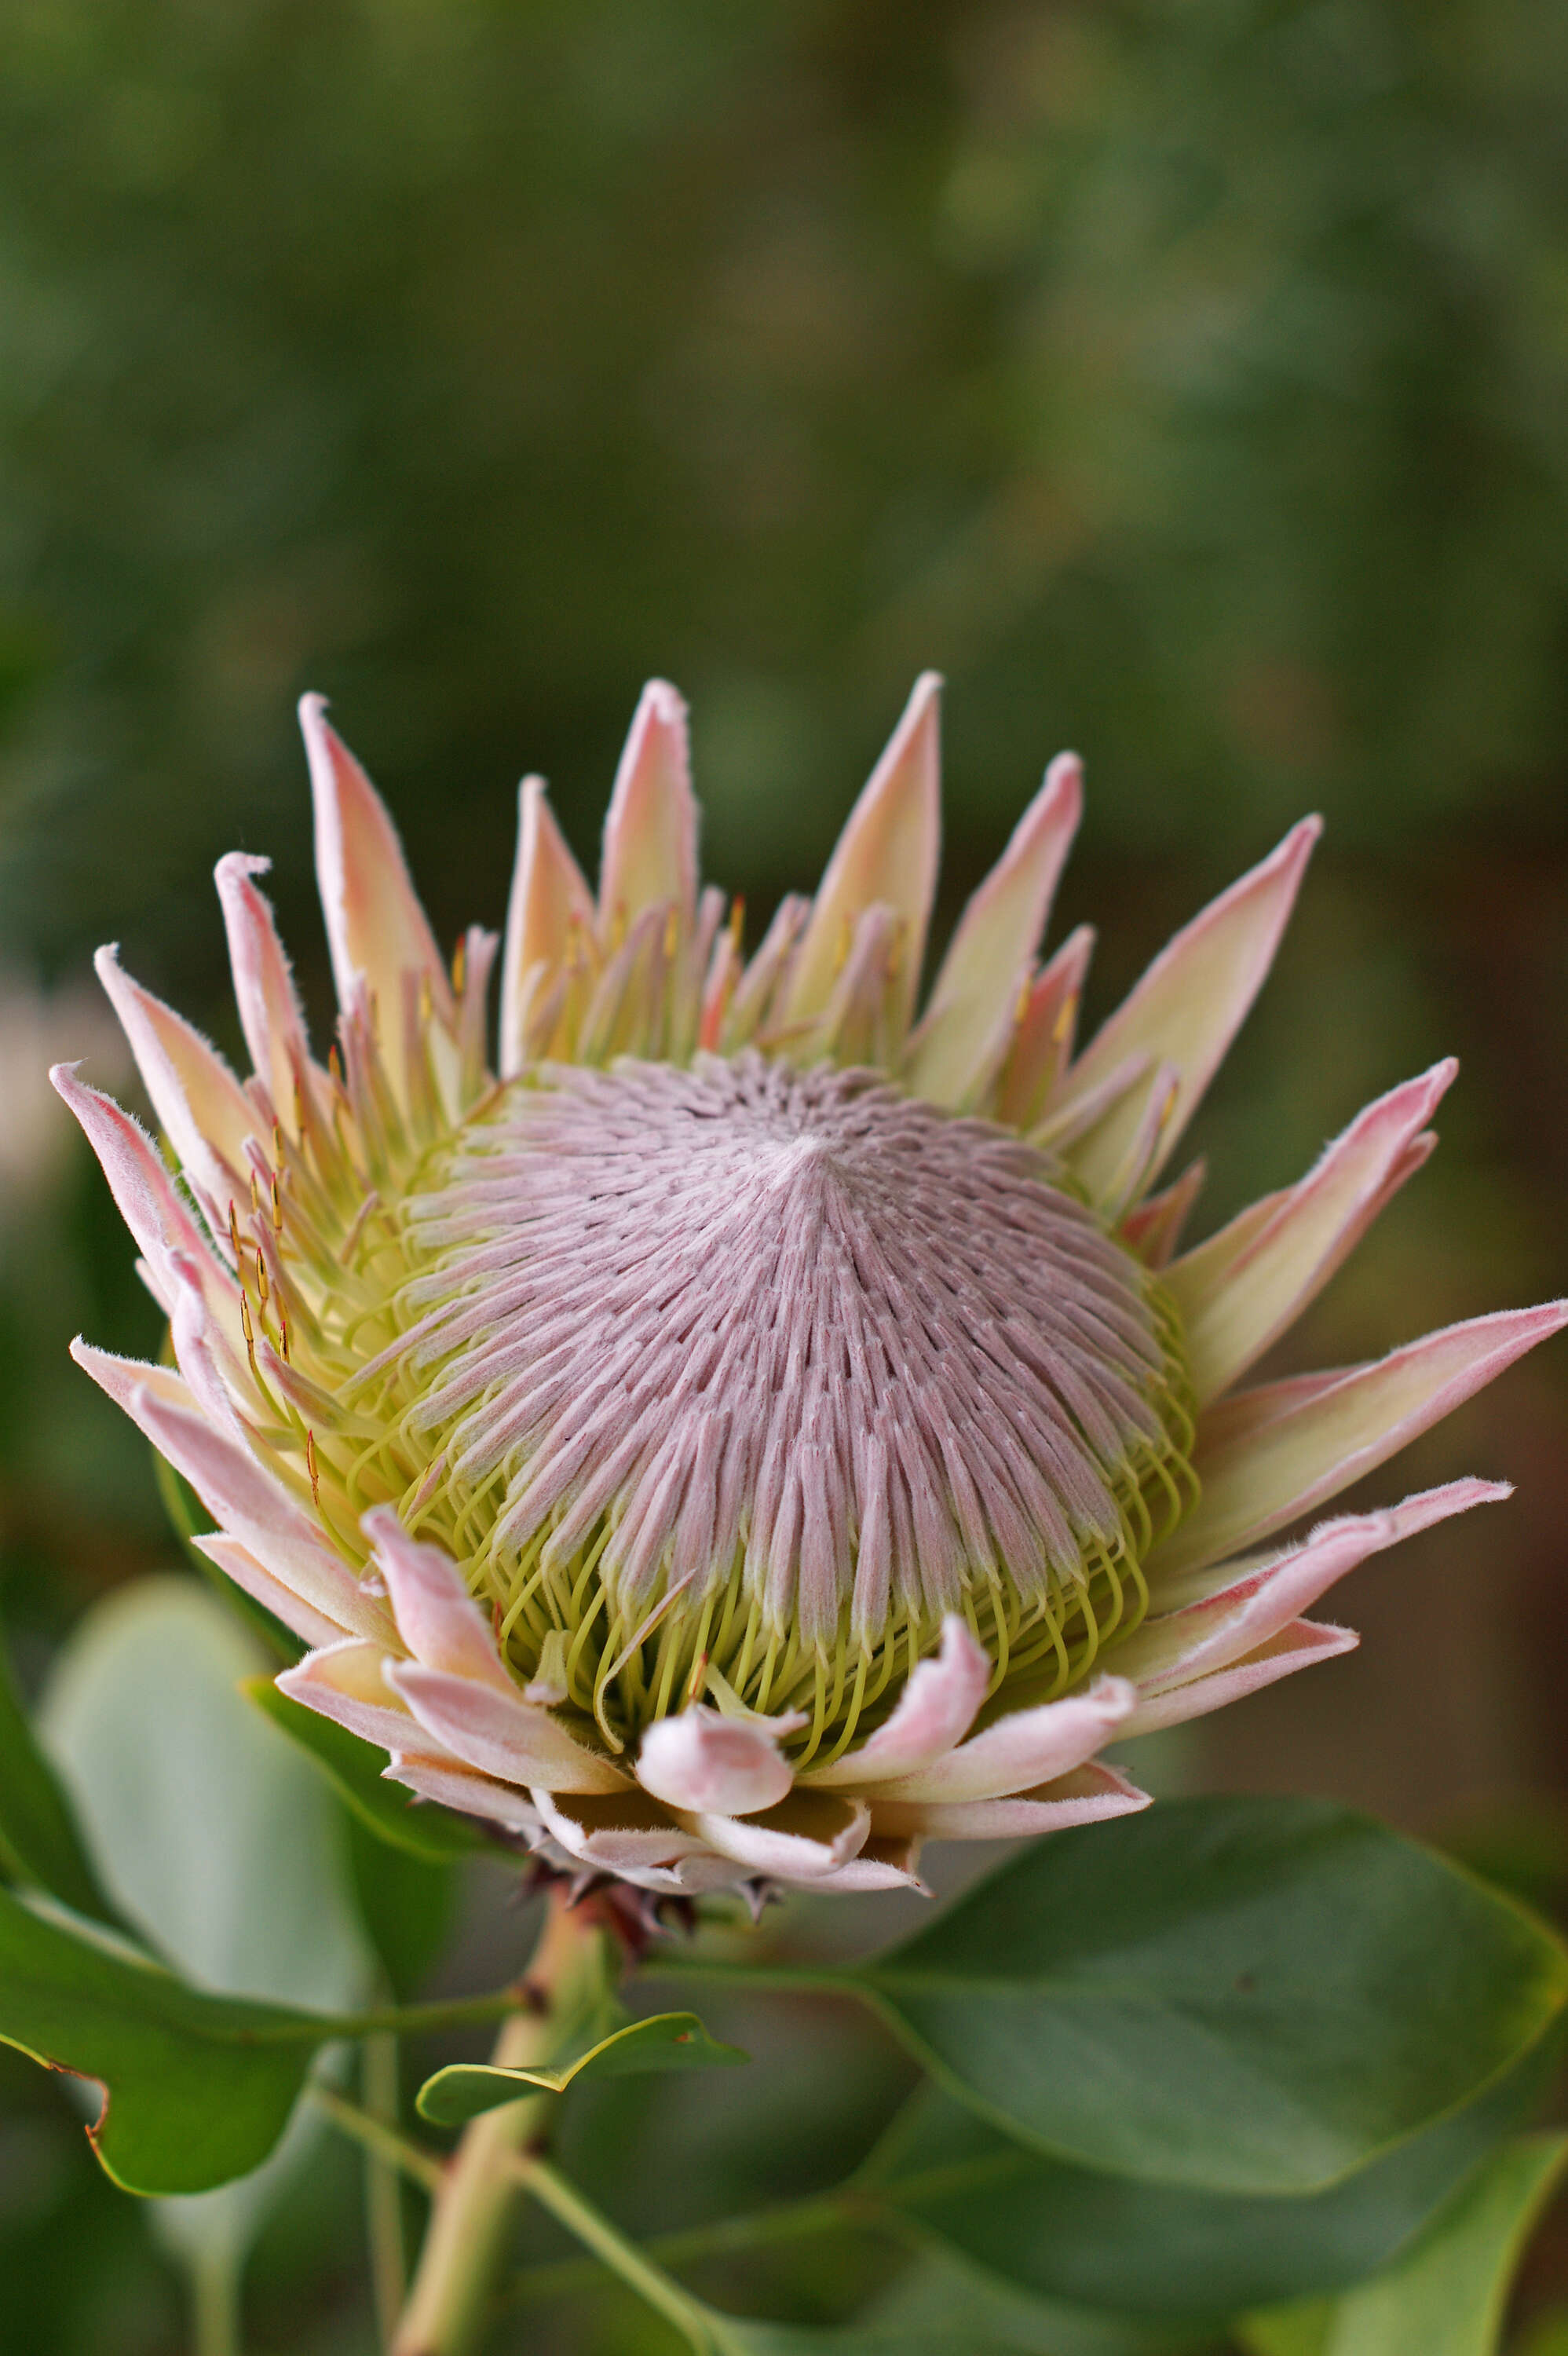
(1187, 381)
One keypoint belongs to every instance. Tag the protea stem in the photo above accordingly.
(383, 2189)
(465, 2240)
(215, 2288)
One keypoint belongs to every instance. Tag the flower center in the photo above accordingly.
(739, 1376)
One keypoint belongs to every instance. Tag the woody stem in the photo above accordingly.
(466, 2242)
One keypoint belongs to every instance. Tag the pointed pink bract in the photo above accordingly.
(1300, 1646)
(650, 835)
(499, 1733)
(1251, 1607)
(203, 1108)
(1242, 1288)
(988, 964)
(437, 1617)
(1042, 1042)
(549, 917)
(887, 851)
(345, 1682)
(139, 1179)
(269, 1012)
(1087, 1795)
(1022, 1749)
(1277, 1463)
(376, 926)
(1192, 1001)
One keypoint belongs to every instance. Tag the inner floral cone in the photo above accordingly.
(744, 1374)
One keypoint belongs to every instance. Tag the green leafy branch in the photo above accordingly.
(1212, 2063)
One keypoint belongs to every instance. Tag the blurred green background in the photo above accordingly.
(1188, 382)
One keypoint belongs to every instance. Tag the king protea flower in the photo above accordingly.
(751, 1429)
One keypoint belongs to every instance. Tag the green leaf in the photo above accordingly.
(406, 1904)
(1243, 1995)
(216, 1837)
(966, 2332)
(941, 2314)
(1449, 2295)
(941, 2294)
(732, 2335)
(1160, 2250)
(225, 1846)
(665, 2040)
(1289, 2331)
(199, 2087)
(39, 1840)
(354, 1770)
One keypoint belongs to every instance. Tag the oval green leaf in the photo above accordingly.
(1238, 1995)
(1160, 2250)
(940, 2294)
(215, 1835)
(199, 2088)
(1449, 2295)
(730, 2335)
(966, 2333)
(666, 2040)
(212, 1833)
(40, 1842)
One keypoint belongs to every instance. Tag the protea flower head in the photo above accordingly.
(751, 1429)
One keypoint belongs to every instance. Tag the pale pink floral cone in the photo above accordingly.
(758, 1428)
